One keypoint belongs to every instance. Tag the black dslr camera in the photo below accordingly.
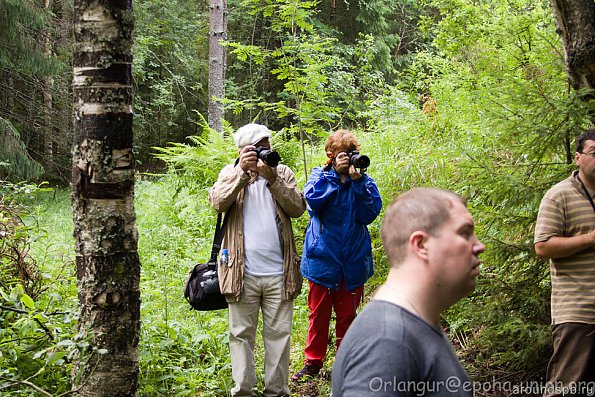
(268, 156)
(358, 160)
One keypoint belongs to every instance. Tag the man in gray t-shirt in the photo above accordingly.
(396, 346)
(393, 352)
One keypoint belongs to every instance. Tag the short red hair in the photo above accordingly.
(340, 141)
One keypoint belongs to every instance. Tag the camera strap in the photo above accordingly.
(586, 192)
(218, 238)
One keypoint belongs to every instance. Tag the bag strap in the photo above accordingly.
(218, 238)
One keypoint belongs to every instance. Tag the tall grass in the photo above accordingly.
(182, 352)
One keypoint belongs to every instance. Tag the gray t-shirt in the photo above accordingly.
(389, 351)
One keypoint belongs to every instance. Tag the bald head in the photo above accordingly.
(419, 209)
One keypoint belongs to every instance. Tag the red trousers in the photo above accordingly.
(322, 301)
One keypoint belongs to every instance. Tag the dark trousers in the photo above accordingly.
(572, 365)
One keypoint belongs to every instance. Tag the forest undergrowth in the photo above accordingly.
(501, 331)
(481, 106)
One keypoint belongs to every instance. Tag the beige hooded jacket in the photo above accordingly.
(227, 195)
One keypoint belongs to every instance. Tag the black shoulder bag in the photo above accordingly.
(202, 287)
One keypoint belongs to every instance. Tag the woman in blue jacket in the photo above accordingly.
(337, 258)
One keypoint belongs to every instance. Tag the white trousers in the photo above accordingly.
(260, 293)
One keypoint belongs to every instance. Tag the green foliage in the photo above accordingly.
(201, 159)
(495, 127)
(319, 81)
(37, 322)
(170, 70)
(37, 345)
(23, 24)
(182, 353)
(15, 162)
(193, 168)
(34, 88)
(16, 265)
(394, 25)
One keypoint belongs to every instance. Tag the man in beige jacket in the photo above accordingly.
(263, 269)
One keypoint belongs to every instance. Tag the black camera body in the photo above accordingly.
(358, 160)
(268, 156)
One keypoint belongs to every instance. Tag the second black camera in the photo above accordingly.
(268, 156)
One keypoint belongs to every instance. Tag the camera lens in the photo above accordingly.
(361, 161)
(270, 157)
(358, 160)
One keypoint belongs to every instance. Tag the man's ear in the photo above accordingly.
(577, 157)
(418, 244)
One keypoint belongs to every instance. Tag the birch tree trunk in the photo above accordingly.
(108, 267)
(575, 22)
(217, 62)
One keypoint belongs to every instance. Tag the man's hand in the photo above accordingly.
(268, 173)
(248, 159)
(343, 168)
(342, 163)
(354, 174)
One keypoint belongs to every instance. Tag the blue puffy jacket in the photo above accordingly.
(337, 241)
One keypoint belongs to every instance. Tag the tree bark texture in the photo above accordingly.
(48, 86)
(108, 266)
(575, 22)
(217, 62)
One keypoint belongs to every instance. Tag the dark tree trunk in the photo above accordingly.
(108, 267)
(575, 22)
(217, 62)
(48, 86)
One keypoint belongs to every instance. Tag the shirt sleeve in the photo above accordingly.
(550, 220)
(231, 180)
(319, 189)
(368, 202)
(287, 194)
